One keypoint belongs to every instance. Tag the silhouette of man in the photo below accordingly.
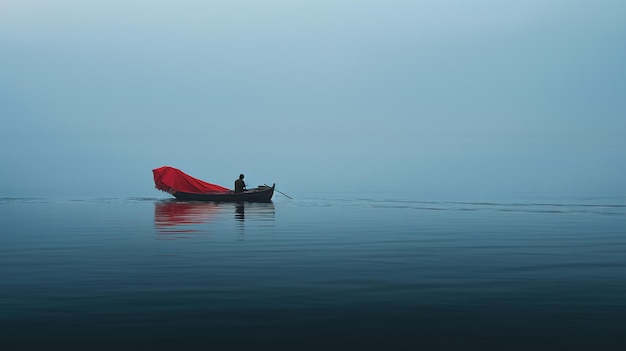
(240, 185)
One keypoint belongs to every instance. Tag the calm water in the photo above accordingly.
(314, 273)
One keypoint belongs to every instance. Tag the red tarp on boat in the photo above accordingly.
(171, 180)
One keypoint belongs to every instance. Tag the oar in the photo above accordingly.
(280, 191)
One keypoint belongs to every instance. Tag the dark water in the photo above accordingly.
(313, 273)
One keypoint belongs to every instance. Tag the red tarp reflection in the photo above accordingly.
(173, 216)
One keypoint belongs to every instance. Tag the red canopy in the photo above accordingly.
(171, 180)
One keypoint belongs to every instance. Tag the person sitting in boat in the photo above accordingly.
(240, 185)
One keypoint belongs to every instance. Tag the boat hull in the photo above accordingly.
(260, 194)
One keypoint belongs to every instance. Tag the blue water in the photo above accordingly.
(318, 273)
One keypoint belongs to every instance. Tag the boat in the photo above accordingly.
(185, 187)
(262, 193)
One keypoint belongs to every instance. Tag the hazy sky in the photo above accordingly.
(472, 97)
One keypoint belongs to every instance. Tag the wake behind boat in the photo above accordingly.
(185, 187)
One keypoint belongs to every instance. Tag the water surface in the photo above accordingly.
(314, 273)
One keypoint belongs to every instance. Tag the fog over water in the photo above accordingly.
(473, 98)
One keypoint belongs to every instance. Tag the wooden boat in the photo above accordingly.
(185, 187)
(262, 193)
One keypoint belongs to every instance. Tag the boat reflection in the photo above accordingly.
(173, 216)
(257, 211)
